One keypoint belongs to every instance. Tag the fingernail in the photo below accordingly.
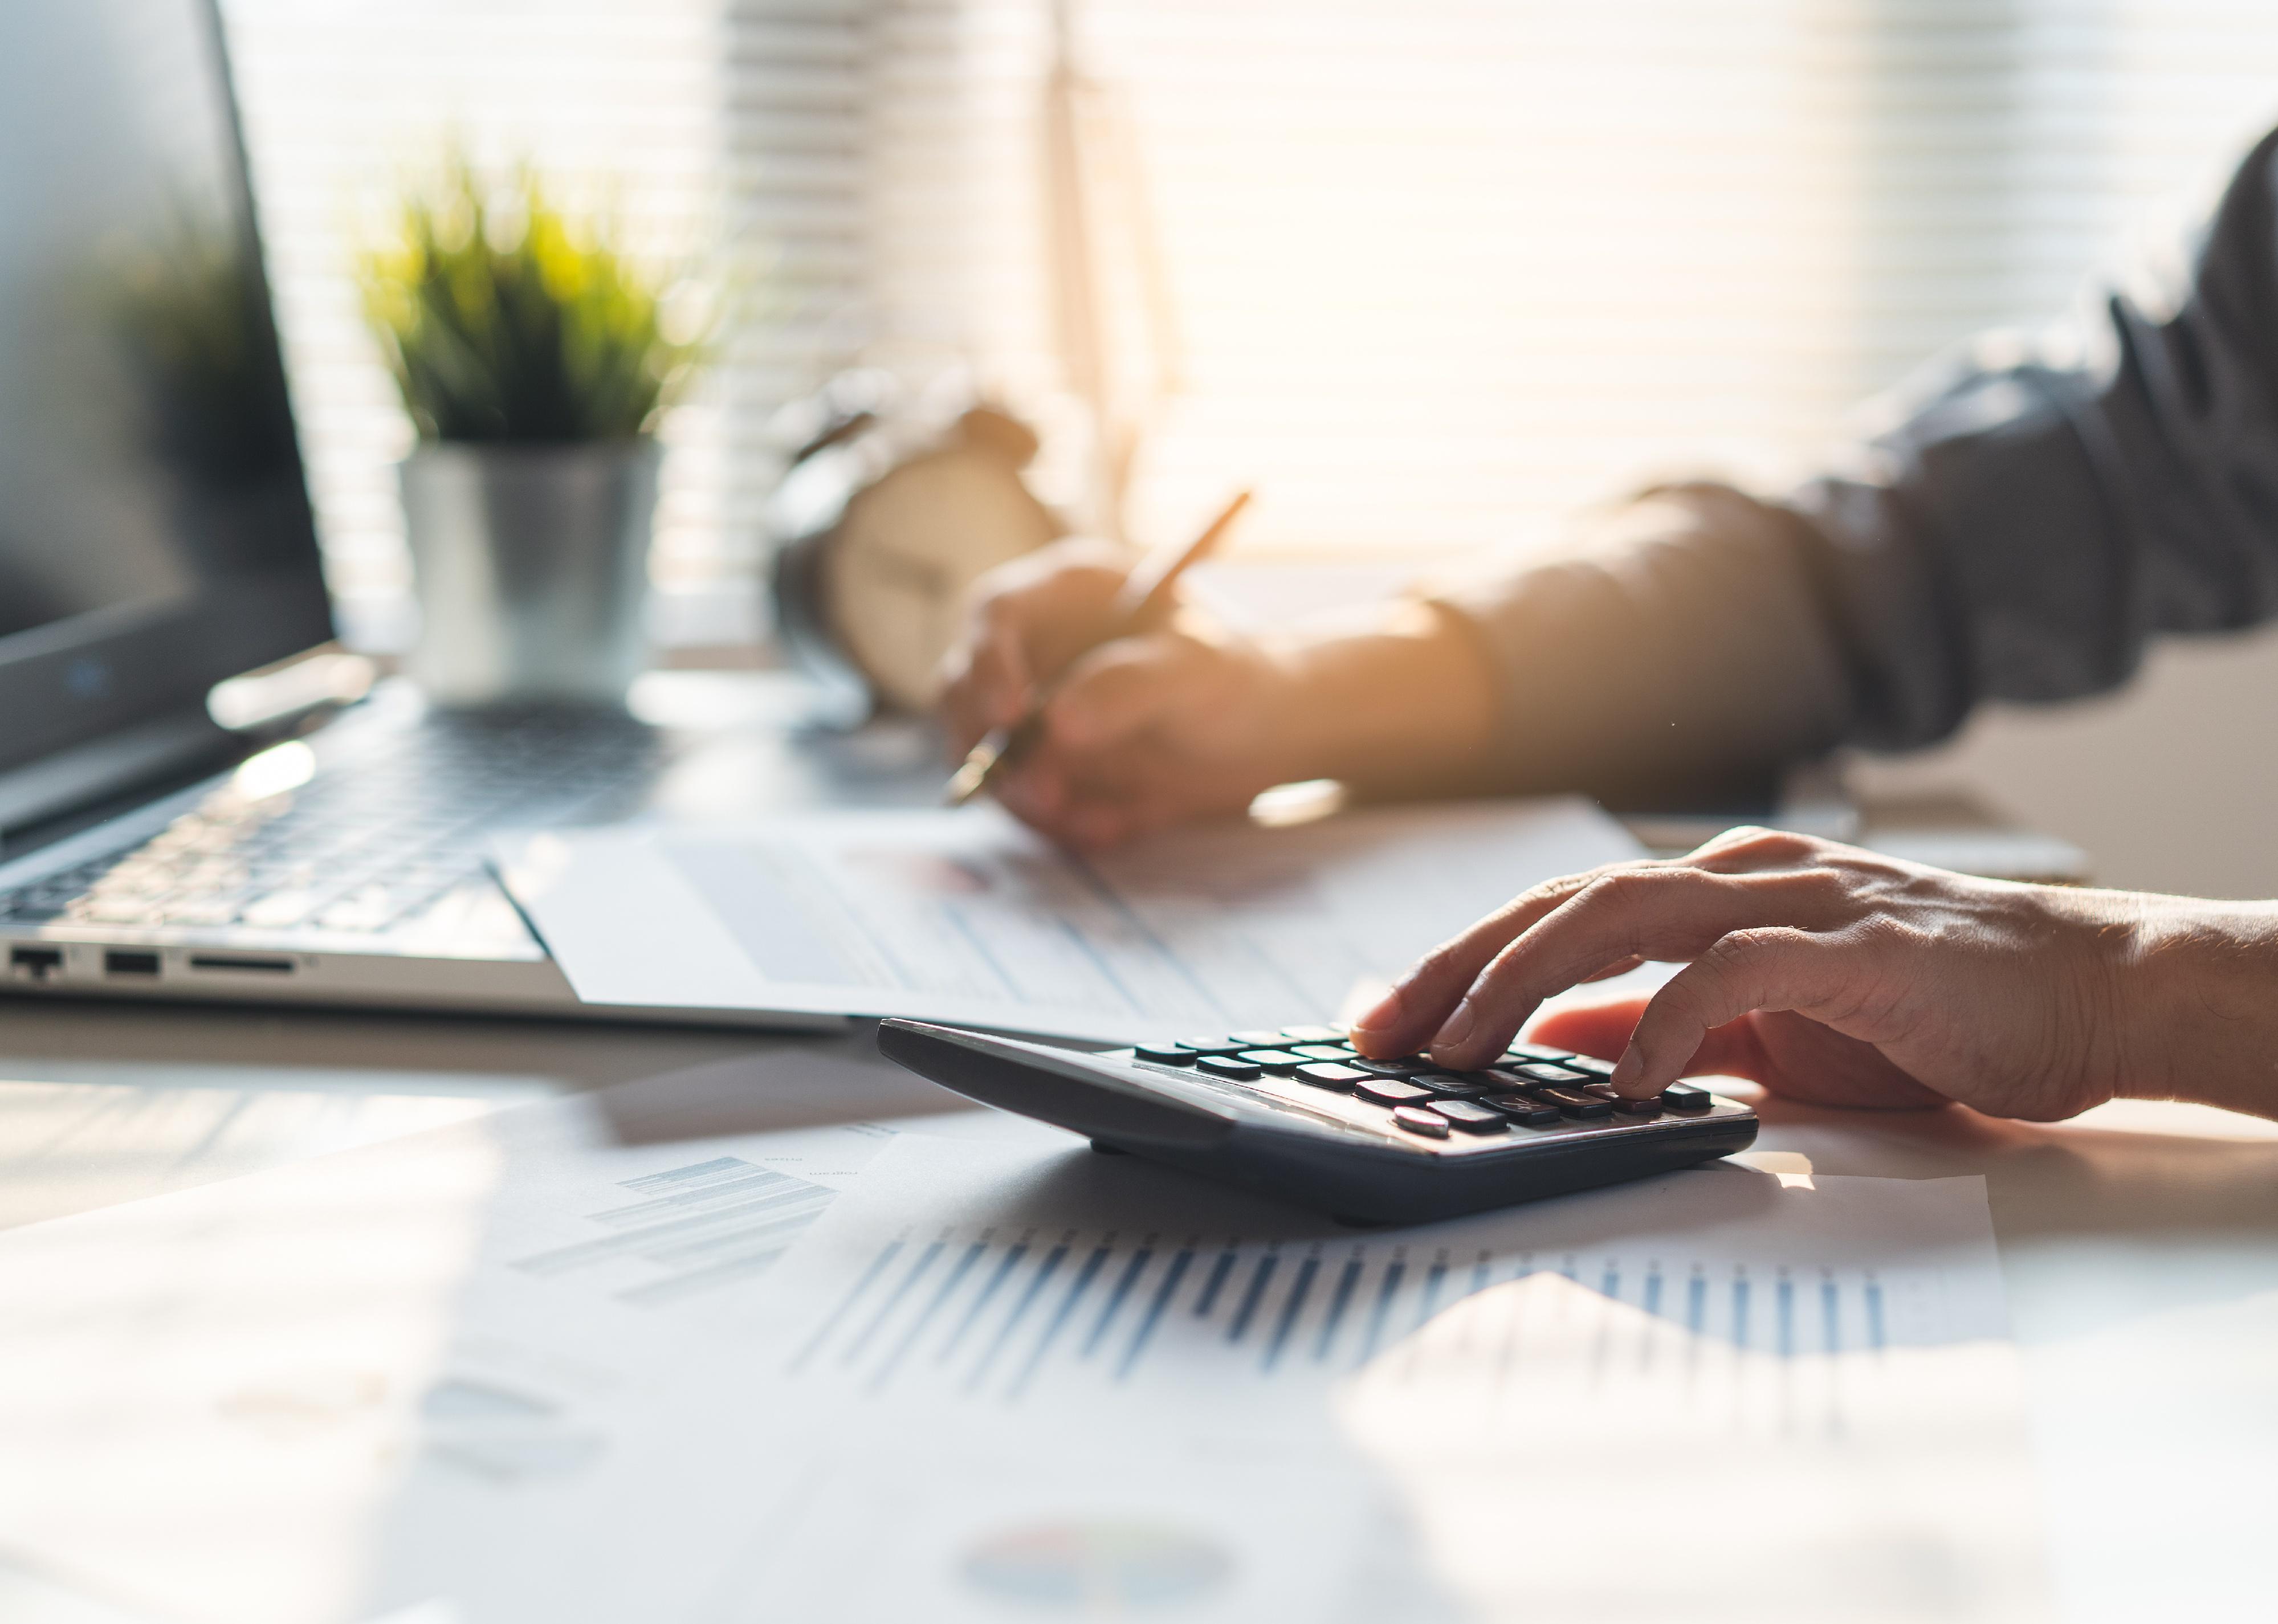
(1456, 1027)
(1381, 1016)
(1627, 1070)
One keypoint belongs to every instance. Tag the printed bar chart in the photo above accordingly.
(997, 1314)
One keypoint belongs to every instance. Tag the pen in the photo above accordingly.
(1144, 600)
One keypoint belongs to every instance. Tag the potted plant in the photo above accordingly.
(534, 360)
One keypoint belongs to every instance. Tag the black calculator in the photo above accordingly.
(1296, 1112)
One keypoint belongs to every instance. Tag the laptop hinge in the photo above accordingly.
(89, 772)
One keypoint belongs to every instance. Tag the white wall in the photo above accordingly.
(2169, 785)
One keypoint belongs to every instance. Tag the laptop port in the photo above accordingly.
(129, 961)
(36, 963)
(241, 962)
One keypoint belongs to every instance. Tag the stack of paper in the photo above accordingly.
(1712, 1395)
(536, 1369)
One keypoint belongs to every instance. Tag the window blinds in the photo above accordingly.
(1437, 274)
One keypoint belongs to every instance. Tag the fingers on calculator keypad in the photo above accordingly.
(1533, 1086)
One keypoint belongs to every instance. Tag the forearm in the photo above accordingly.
(1399, 702)
(1683, 655)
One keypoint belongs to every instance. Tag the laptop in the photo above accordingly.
(157, 545)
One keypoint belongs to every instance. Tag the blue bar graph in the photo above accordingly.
(1132, 1270)
(942, 1293)
(1216, 1283)
(1005, 1265)
(1084, 1276)
(862, 1284)
(1013, 1318)
(1290, 1311)
(861, 1338)
(1146, 1331)
(1260, 1278)
(1053, 1259)
(1339, 1300)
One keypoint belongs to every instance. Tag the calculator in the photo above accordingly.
(1296, 1112)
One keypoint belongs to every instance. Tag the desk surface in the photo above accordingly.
(2140, 1243)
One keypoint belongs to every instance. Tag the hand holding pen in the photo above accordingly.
(1144, 602)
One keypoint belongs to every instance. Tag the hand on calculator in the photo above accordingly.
(1826, 974)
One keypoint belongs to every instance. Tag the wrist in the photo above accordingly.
(2201, 1012)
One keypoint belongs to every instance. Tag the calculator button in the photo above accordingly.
(1637, 1108)
(1321, 1074)
(1455, 1085)
(1213, 1046)
(1165, 1053)
(1407, 1066)
(1312, 1034)
(1415, 1119)
(1555, 1076)
(1686, 1097)
(1581, 1107)
(1469, 1116)
(1590, 1065)
(1228, 1067)
(1273, 1059)
(1522, 1109)
(1391, 1091)
(1258, 1037)
(1523, 1052)
(1334, 1054)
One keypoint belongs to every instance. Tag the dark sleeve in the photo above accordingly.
(2035, 512)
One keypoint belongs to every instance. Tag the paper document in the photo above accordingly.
(1712, 1394)
(969, 918)
(452, 1366)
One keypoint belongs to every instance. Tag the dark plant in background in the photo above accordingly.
(505, 320)
(186, 317)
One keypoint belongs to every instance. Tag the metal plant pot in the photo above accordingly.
(531, 566)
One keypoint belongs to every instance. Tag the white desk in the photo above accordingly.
(2140, 1243)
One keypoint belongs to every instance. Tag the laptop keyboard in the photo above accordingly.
(373, 839)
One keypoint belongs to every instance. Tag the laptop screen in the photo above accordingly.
(155, 531)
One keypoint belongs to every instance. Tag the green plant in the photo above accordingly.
(505, 319)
